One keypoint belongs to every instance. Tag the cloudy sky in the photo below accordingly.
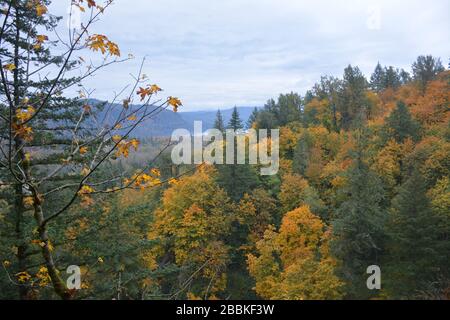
(216, 53)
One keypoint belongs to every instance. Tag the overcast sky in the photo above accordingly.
(220, 53)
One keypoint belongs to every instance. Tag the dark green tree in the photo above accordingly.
(235, 122)
(392, 78)
(352, 98)
(235, 178)
(377, 78)
(252, 119)
(425, 69)
(301, 153)
(218, 123)
(359, 227)
(400, 125)
(417, 254)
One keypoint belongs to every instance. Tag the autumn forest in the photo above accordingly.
(89, 210)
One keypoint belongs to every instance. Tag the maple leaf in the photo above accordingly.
(154, 88)
(174, 102)
(83, 150)
(143, 92)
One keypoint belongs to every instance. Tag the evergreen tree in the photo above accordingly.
(359, 227)
(218, 123)
(235, 178)
(392, 78)
(252, 119)
(57, 146)
(352, 98)
(235, 122)
(417, 253)
(405, 77)
(425, 69)
(400, 125)
(301, 153)
(377, 78)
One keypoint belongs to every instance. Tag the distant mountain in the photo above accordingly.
(208, 117)
(166, 121)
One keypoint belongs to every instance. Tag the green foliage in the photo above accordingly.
(418, 245)
(359, 228)
(400, 125)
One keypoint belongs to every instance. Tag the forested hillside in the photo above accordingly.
(364, 180)
(94, 206)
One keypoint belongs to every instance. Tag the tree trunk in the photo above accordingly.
(58, 283)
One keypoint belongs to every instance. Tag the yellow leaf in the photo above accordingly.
(135, 143)
(28, 201)
(174, 102)
(9, 66)
(41, 9)
(83, 150)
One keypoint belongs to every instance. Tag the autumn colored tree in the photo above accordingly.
(190, 230)
(294, 263)
(295, 192)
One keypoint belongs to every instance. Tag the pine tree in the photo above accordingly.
(377, 78)
(425, 69)
(302, 153)
(392, 78)
(235, 122)
(359, 227)
(417, 252)
(235, 178)
(218, 123)
(400, 125)
(352, 97)
(252, 119)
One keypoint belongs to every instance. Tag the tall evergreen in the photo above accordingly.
(392, 78)
(252, 119)
(377, 78)
(301, 154)
(400, 125)
(235, 178)
(417, 253)
(352, 98)
(218, 123)
(49, 133)
(425, 69)
(235, 122)
(359, 227)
